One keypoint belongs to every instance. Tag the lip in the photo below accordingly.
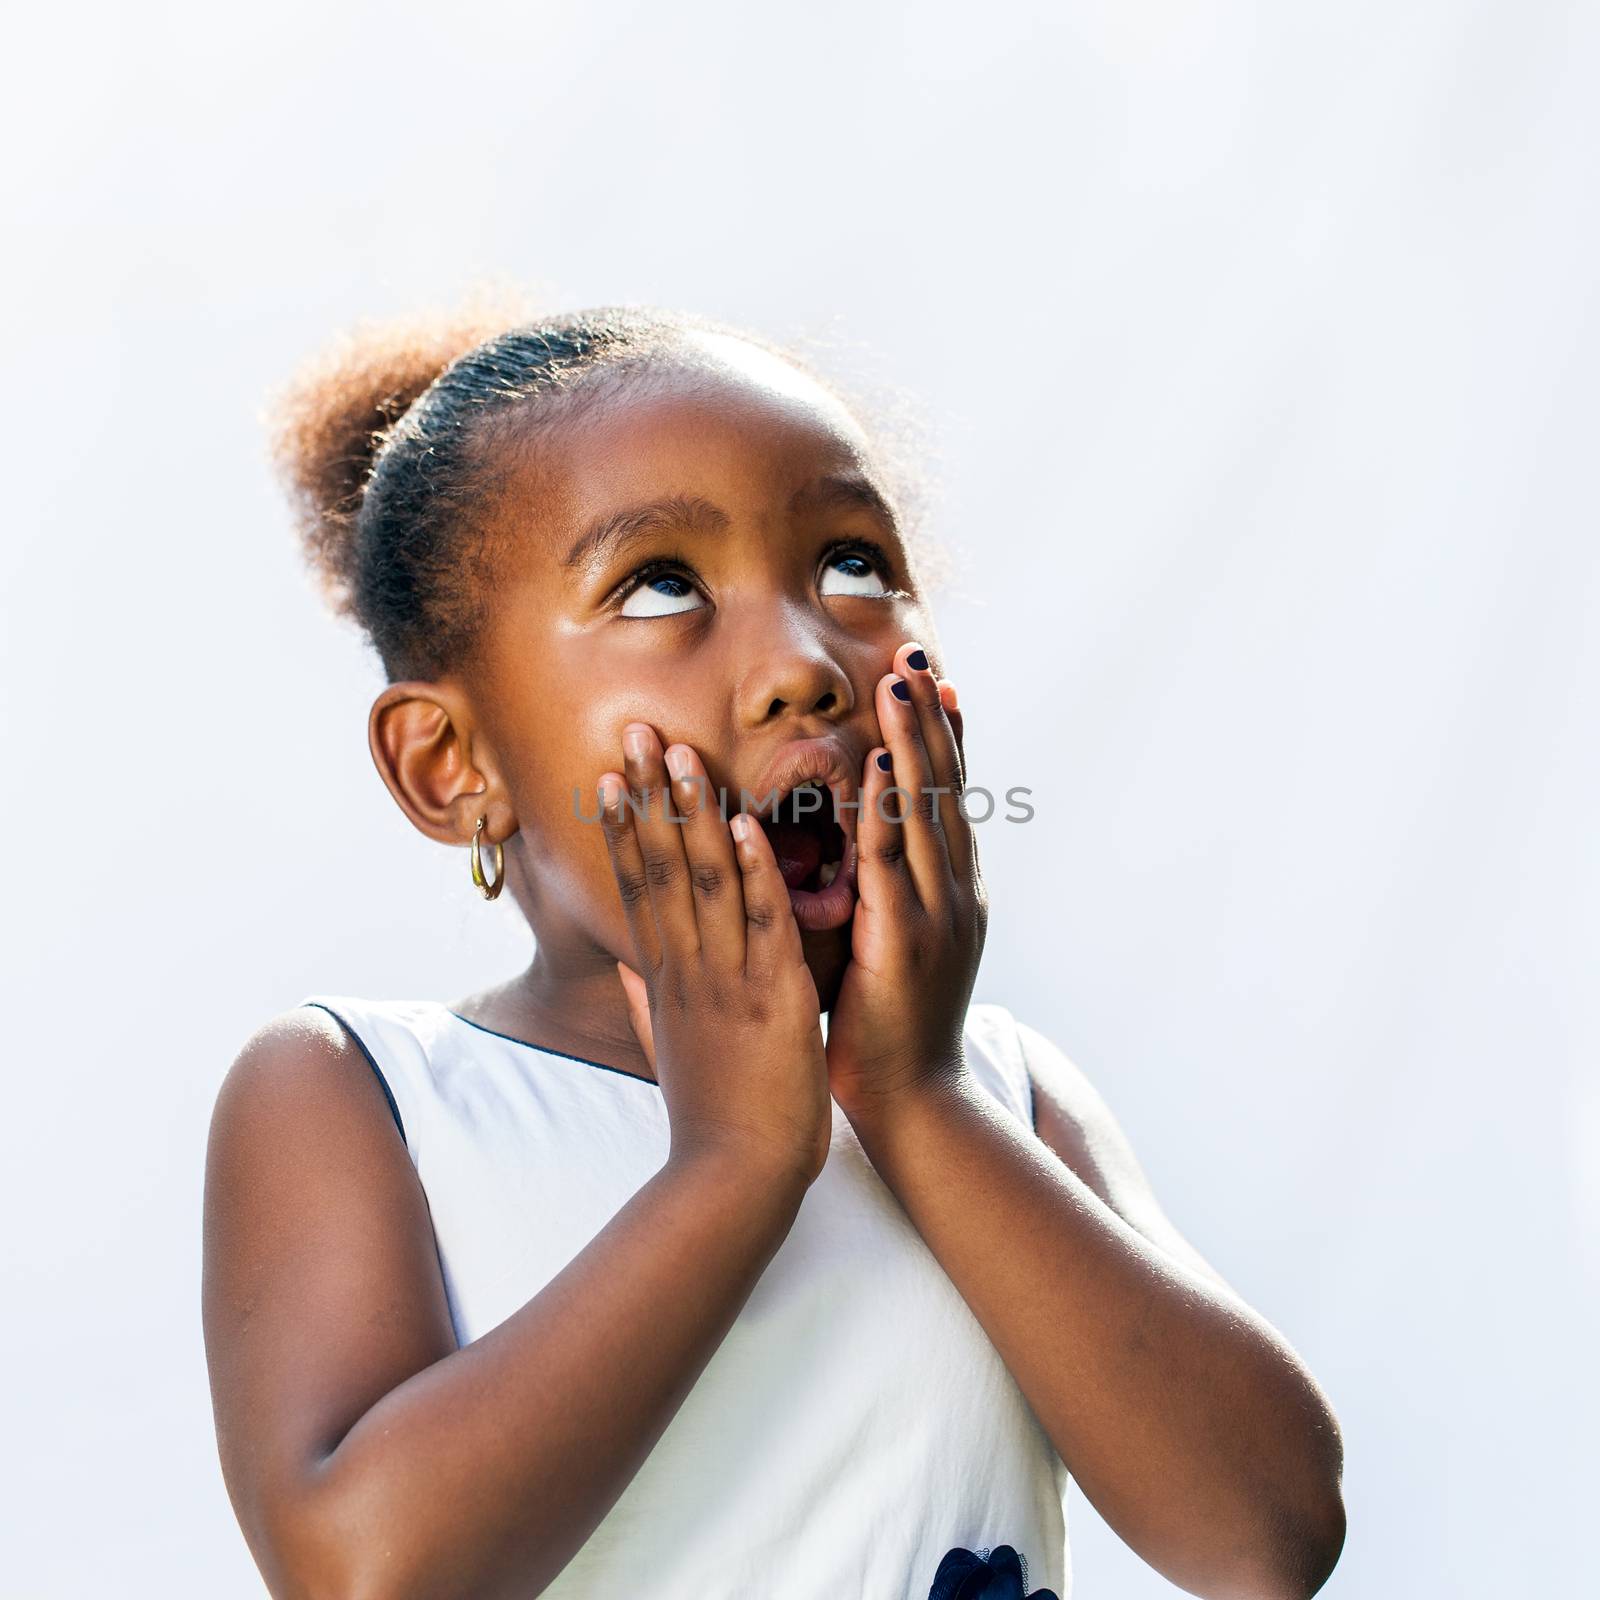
(823, 760)
(821, 910)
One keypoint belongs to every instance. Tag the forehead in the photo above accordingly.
(726, 422)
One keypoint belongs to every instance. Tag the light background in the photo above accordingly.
(1260, 346)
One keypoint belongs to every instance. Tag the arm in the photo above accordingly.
(1189, 1422)
(364, 1453)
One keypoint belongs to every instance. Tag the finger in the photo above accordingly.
(883, 874)
(944, 754)
(952, 709)
(627, 865)
(772, 936)
(714, 878)
(921, 826)
(638, 994)
(666, 867)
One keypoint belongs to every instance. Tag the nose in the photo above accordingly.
(792, 670)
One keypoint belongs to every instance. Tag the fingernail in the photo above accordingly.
(917, 661)
(740, 823)
(678, 762)
(885, 761)
(900, 689)
(635, 741)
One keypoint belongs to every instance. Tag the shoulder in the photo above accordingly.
(994, 1052)
(301, 1077)
(305, 1170)
(1073, 1119)
(1061, 1088)
(320, 1281)
(301, 1151)
(297, 1048)
(1049, 1084)
(1069, 1112)
(294, 1049)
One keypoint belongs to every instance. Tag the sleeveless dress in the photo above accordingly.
(856, 1434)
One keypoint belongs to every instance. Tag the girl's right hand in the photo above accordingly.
(721, 998)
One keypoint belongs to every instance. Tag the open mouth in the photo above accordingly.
(809, 844)
(815, 854)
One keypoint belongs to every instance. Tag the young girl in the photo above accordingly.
(628, 1277)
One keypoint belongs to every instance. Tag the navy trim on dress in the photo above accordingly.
(621, 1072)
(361, 1045)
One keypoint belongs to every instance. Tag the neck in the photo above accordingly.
(564, 1001)
(571, 999)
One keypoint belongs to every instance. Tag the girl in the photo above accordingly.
(628, 1276)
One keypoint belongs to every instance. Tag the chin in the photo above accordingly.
(827, 954)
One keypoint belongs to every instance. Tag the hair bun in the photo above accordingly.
(329, 421)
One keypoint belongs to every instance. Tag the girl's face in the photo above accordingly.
(713, 553)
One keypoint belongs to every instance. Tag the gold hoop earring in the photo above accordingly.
(485, 888)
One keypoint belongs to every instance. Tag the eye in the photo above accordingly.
(857, 569)
(659, 589)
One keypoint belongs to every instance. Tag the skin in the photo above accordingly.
(396, 1464)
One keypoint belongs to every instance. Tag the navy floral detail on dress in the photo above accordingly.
(998, 1574)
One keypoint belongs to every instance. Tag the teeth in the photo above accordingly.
(829, 873)
(789, 808)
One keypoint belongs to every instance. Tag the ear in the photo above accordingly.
(421, 737)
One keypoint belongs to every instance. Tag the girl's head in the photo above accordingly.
(554, 526)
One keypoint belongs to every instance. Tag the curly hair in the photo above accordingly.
(387, 445)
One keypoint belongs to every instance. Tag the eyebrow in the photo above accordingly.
(617, 531)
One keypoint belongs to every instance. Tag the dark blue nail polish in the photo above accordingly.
(884, 762)
(918, 661)
(900, 689)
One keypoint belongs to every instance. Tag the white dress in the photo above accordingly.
(856, 1428)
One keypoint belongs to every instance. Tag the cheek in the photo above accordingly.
(567, 863)
(882, 631)
(552, 749)
(558, 806)
(563, 788)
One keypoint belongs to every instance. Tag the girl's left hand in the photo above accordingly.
(922, 909)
